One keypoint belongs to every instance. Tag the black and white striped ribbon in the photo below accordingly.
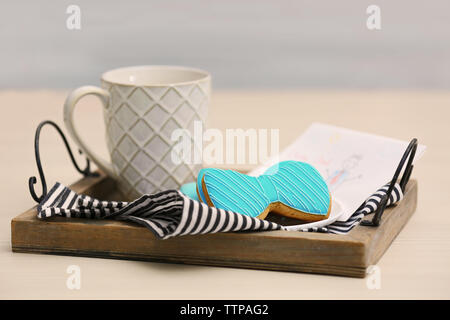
(170, 213)
(368, 207)
(167, 214)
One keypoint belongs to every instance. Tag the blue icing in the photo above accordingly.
(230, 190)
(189, 189)
(296, 184)
(269, 188)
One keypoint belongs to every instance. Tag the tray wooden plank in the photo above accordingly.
(345, 255)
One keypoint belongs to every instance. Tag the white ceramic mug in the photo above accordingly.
(143, 105)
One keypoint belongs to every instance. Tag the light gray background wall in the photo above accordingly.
(245, 44)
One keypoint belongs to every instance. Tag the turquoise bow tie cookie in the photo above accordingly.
(290, 188)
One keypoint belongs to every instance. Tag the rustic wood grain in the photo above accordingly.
(345, 255)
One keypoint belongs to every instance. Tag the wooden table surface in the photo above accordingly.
(417, 265)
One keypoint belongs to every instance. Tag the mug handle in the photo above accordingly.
(69, 107)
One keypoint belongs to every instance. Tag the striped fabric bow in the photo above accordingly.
(369, 206)
(169, 213)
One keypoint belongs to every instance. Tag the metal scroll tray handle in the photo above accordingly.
(408, 155)
(32, 180)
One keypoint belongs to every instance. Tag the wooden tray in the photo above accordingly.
(345, 255)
